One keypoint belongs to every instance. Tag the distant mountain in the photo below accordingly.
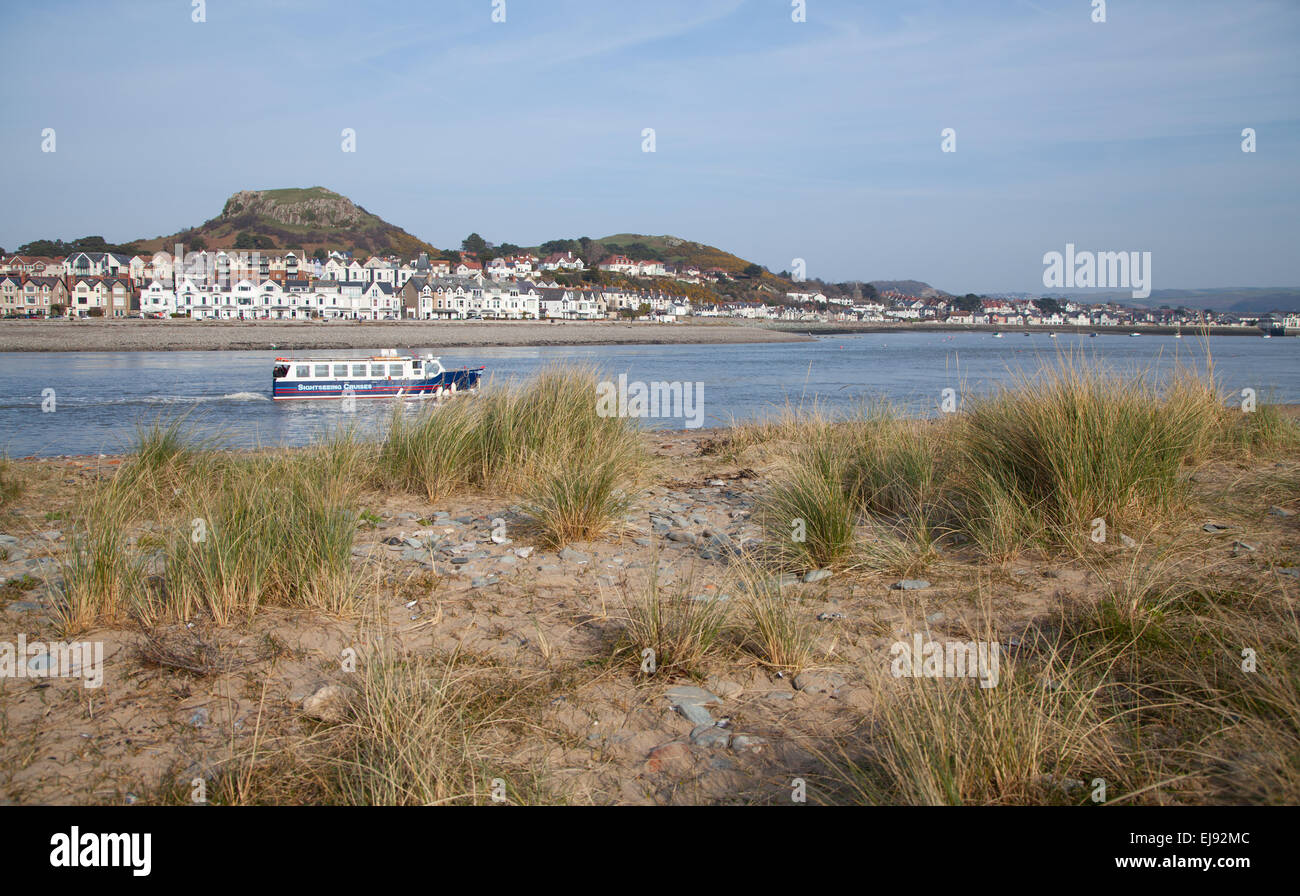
(300, 218)
(1243, 300)
(908, 288)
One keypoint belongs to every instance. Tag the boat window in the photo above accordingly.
(358, 370)
(395, 370)
(281, 370)
(376, 369)
(340, 370)
(322, 371)
(302, 371)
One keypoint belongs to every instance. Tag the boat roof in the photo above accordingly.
(353, 358)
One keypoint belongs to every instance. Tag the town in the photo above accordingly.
(293, 285)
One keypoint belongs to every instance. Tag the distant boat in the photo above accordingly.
(999, 335)
(1051, 335)
(1135, 334)
(1092, 335)
(1268, 335)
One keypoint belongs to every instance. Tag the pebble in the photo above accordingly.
(1214, 527)
(681, 535)
(816, 575)
(1281, 512)
(327, 703)
(748, 743)
(1127, 542)
(910, 585)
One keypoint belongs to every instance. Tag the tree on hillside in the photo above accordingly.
(320, 254)
(969, 302)
(1048, 306)
(753, 271)
(198, 244)
(475, 244)
(244, 240)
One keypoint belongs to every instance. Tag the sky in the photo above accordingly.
(774, 139)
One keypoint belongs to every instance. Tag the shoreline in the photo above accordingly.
(831, 329)
(189, 335)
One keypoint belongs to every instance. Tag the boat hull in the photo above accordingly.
(447, 382)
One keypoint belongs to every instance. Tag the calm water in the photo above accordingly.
(100, 397)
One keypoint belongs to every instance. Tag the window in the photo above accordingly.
(340, 371)
(376, 369)
(394, 369)
(358, 370)
(322, 371)
(302, 371)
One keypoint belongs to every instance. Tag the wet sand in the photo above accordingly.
(190, 335)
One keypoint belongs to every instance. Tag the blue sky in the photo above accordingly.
(774, 139)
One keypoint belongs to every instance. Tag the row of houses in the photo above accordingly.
(420, 298)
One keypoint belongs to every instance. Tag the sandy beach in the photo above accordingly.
(188, 335)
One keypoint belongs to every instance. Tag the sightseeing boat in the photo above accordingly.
(387, 375)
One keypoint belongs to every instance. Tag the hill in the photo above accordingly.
(1241, 300)
(298, 218)
(908, 288)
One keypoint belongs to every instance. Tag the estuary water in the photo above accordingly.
(99, 398)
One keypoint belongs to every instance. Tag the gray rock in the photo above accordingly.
(787, 578)
(569, 555)
(1127, 542)
(935, 617)
(1214, 527)
(199, 717)
(643, 541)
(710, 736)
(829, 617)
(695, 714)
(523, 553)
(685, 693)
(1280, 512)
(682, 536)
(910, 585)
(483, 581)
(1238, 546)
(816, 575)
(748, 743)
(725, 687)
(817, 682)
